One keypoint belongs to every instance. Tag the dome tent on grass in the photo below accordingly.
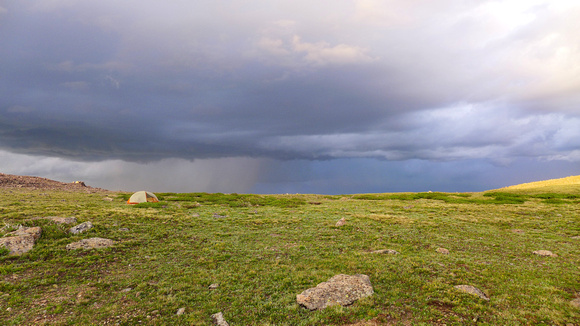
(142, 197)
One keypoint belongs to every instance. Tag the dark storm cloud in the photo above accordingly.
(142, 80)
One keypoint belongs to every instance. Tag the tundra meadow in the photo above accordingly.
(248, 256)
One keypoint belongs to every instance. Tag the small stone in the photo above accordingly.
(385, 251)
(92, 243)
(472, 290)
(126, 290)
(341, 222)
(81, 228)
(180, 311)
(214, 286)
(545, 253)
(443, 251)
(341, 290)
(195, 215)
(124, 229)
(108, 199)
(219, 320)
(576, 237)
(575, 303)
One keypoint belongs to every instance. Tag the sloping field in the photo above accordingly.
(248, 256)
(569, 184)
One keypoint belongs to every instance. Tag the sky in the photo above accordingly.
(280, 96)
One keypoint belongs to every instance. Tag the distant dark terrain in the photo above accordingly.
(28, 182)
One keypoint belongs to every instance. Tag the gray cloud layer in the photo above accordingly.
(142, 81)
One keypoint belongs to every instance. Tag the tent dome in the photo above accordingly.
(142, 197)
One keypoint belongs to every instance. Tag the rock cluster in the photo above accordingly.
(339, 290)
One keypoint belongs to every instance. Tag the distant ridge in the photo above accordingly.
(547, 184)
(10, 181)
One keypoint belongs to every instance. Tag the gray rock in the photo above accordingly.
(17, 245)
(339, 290)
(214, 286)
(81, 228)
(21, 240)
(443, 251)
(472, 290)
(62, 220)
(545, 253)
(219, 320)
(57, 219)
(92, 243)
(341, 222)
(385, 251)
(575, 303)
(180, 311)
(34, 232)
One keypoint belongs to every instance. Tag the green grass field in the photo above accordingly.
(264, 250)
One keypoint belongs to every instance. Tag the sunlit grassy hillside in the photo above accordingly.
(569, 184)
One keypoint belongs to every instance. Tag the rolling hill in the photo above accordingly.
(569, 184)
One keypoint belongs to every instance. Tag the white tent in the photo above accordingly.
(142, 197)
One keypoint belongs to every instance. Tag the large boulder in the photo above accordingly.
(34, 232)
(21, 240)
(339, 290)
